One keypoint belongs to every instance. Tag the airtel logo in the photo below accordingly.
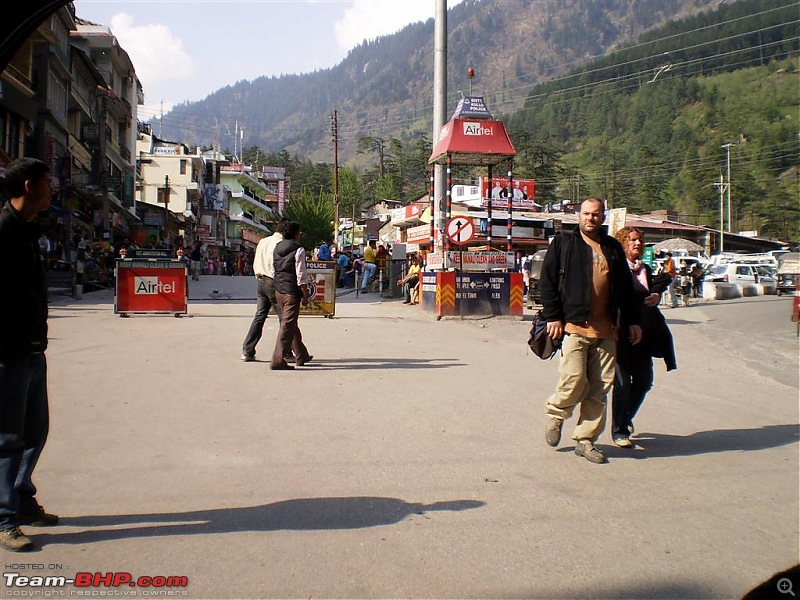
(476, 129)
(149, 286)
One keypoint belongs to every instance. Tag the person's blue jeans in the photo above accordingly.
(24, 424)
(633, 379)
(369, 273)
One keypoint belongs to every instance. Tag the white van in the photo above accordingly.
(741, 274)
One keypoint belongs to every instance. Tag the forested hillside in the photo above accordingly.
(384, 87)
(645, 127)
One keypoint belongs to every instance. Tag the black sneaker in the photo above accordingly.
(12, 539)
(37, 517)
(248, 357)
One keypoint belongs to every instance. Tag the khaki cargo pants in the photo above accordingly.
(585, 377)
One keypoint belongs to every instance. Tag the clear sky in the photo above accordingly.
(186, 49)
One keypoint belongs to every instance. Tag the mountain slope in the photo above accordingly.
(383, 87)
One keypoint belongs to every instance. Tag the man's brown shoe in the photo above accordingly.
(552, 434)
(13, 540)
(589, 452)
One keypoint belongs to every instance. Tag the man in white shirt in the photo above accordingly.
(264, 270)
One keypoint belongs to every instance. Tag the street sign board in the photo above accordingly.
(460, 230)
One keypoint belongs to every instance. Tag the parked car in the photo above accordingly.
(789, 273)
(741, 274)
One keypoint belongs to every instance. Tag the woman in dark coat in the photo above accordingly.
(634, 370)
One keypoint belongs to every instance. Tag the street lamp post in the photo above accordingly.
(728, 187)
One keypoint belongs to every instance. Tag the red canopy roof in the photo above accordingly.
(473, 142)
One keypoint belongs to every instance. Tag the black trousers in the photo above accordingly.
(266, 299)
(633, 379)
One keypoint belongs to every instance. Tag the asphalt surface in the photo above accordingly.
(408, 460)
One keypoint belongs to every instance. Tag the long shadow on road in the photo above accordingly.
(300, 514)
(662, 445)
(355, 364)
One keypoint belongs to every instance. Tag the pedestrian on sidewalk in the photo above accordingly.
(264, 268)
(634, 366)
(291, 290)
(586, 289)
(671, 269)
(196, 256)
(370, 265)
(24, 409)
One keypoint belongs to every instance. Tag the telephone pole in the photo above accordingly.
(722, 187)
(728, 163)
(335, 132)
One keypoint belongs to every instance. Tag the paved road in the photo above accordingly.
(409, 460)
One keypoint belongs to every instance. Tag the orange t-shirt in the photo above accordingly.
(599, 324)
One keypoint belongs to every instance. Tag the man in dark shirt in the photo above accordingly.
(291, 290)
(24, 412)
(587, 292)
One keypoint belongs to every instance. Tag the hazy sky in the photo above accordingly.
(187, 49)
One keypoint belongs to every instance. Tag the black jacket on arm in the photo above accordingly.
(566, 296)
(656, 336)
(23, 289)
(286, 269)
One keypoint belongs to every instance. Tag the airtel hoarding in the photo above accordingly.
(150, 286)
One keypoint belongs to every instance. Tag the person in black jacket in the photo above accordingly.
(24, 411)
(634, 370)
(586, 292)
(291, 290)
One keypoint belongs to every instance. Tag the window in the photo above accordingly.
(183, 167)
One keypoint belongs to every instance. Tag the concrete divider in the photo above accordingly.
(720, 291)
(717, 290)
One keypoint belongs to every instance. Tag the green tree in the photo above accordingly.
(314, 212)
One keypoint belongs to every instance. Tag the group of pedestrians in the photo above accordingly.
(602, 301)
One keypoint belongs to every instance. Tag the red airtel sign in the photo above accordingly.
(151, 289)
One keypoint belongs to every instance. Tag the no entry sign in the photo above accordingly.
(460, 230)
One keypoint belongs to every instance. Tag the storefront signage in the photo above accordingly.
(469, 261)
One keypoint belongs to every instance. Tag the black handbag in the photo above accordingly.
(541, 344)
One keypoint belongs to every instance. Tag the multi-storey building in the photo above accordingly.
(169, 190)
(253, 205)
(106, 113)
(212, 226)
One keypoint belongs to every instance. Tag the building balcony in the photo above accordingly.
(248, 221)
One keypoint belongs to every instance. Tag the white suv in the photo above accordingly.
(742, 274)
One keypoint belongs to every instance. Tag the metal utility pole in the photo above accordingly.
(722, 186)
(166, 207)
(439, 105)
(335, 131)
(728, 163)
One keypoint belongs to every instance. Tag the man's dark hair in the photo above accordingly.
(22, 170)
(288, 228)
